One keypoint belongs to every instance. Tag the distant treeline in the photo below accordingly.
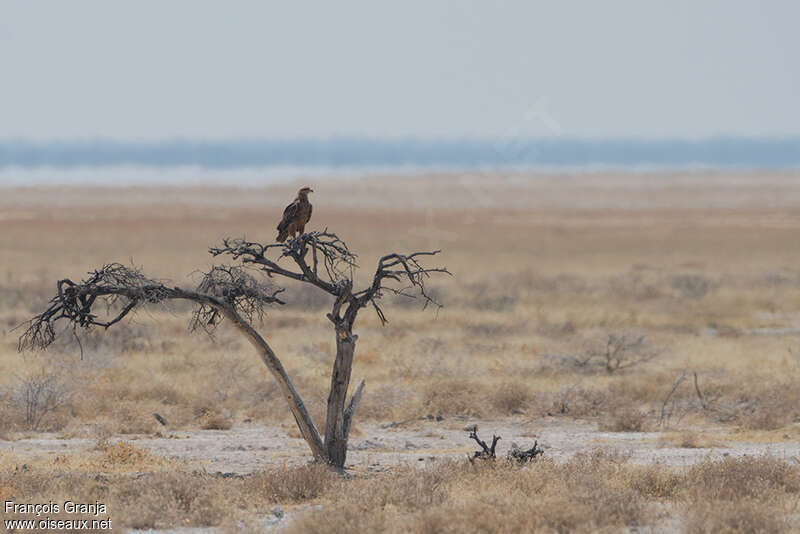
(721, 152)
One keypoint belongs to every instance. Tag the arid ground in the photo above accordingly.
(643, 329)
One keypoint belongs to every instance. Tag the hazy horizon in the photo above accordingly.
(434, 70)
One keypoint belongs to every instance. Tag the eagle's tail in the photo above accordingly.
(283, 231)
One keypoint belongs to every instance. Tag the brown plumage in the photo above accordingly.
(295, 216)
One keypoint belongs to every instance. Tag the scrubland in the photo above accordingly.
(644, 304)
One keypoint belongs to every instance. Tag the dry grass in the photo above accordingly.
(592, 492)
(583, 495)
(705, 267)
(745, 495)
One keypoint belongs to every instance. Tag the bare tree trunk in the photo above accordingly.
(335, 431)
(301, 415)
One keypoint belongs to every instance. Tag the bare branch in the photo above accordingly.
(237, 288)
(410, 270)
(125, 288)
(331, 269)
(487, 452)
(326, 247)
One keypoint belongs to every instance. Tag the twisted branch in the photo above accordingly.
(335, 276)
(124, 288)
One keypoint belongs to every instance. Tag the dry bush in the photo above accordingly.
(576, 401)
(510, 397)
(161, 496)
(775, 405)
(584, 495)
(123, 452)
(624, 420)
(39, 394)
(655, 481)
(737, 478)
(753, 516)
(291, 484)
(11, 419)
(619, 351)
(159, 499)
(216, 421)
(757, 402)
(747, 494)
(763, 418)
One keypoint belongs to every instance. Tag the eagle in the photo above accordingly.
(295, 216)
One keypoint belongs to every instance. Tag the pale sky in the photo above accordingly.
(194, 69)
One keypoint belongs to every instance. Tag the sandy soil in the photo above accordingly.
(248, 447)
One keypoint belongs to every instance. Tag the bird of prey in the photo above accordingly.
(295, 216)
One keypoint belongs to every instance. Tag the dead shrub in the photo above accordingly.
(291, 484)
(655, 481)
(511, 397)
(775, 405)
(756, 477)
(578, 402)
(764, 418)
(585, 494)
(625, 420)
(767, 404)
(168, 499)
(619, 351)
(39, 394)
(216, 421)
(744, 515)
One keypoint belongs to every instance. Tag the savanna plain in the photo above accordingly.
(643, 330)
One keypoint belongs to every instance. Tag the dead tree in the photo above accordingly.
(487, 452)
(323, 260)
(233, 293)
